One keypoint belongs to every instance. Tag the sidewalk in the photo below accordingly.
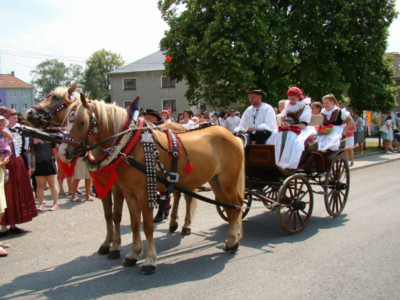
(372, 159)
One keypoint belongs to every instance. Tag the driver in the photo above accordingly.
(259, 118)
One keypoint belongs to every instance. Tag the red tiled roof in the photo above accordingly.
(10, 82)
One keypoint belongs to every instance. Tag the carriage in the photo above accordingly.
(290, 193)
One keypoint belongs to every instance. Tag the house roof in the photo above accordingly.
(152, 62)
(11, 82)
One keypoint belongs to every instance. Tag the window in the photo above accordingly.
(13, 93)
(129, 84)
(14, 106)
(169, 103)
(25, 94)
(24, 106)
(167, 83)
(127, 103)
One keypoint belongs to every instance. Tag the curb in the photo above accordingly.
(371, 164)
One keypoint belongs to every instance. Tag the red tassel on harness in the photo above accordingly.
(189, 167)
(68, 168)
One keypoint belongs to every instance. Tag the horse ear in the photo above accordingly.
(67, 100)
(84, 101)
(72, 88)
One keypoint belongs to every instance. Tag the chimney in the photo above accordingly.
(12, 73)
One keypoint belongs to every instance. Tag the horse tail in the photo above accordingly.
(241, 191)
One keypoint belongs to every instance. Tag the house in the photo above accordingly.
(145, 78)
(396, 76)
(15, 93)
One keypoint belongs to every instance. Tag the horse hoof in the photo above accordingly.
(115, 254)
(147, 270)
(173, 228)
(186, 231)
(103, 250)
(129, 262)
(231, 249)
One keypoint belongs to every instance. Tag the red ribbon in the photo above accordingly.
(295, 129)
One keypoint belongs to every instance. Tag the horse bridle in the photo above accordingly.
(46, 115)
(92, 128)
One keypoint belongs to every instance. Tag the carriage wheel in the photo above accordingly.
(270, 191)
(337, 184)
(248, 198)
(295, 203)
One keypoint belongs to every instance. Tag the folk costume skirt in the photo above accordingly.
(21, 206)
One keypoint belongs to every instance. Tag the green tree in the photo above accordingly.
(331, 46)
(96, 76)
(52, 73)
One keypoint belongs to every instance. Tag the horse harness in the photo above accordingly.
(48, 115)
(123, 146)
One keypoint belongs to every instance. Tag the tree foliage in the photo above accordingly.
(52, 73)
(96, 76)
(333, 46)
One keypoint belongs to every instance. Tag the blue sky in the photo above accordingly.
(32, 31)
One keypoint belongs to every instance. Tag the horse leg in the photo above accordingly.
(173, 222)
(149, 265)
(107, 207)
(225, 193)
(115, 250)
(191, 205)
(137, 247)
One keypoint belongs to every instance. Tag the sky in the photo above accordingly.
(32, 31)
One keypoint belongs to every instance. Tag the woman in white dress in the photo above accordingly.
(294, 130)
(335, 120)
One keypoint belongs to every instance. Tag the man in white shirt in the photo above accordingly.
(232, 121)
(259, 119)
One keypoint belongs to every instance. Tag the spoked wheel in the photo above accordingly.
(248, 198)
(337, 184)
(271, 192)
(295, 203)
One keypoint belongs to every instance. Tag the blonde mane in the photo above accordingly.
(111, 115)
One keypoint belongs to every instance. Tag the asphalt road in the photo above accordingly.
(353, 256)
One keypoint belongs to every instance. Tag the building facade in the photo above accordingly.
(145, 78)
(15, 93)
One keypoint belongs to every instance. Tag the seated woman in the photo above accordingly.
(293, 132)
(335, 119)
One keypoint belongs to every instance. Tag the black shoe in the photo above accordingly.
(15, 230)
(166, 212)
(159, 216)
(4, 233)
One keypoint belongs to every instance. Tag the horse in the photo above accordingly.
(216, 155)
(51, 112)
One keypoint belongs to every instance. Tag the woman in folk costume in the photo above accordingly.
(21, 206)
(335, 119)
(294, 131)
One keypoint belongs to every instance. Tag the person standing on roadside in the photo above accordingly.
(232, 121)
(359, 135)
(21, 206)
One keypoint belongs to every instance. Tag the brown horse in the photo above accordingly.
(51, 112)
(217, 157)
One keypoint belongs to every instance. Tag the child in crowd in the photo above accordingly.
(316, 108)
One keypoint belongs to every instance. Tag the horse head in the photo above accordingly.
(51, 111)
(87, 124)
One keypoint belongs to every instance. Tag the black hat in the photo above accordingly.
(256, 91)
(151, 112)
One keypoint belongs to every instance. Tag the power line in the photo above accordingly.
(37, 55)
